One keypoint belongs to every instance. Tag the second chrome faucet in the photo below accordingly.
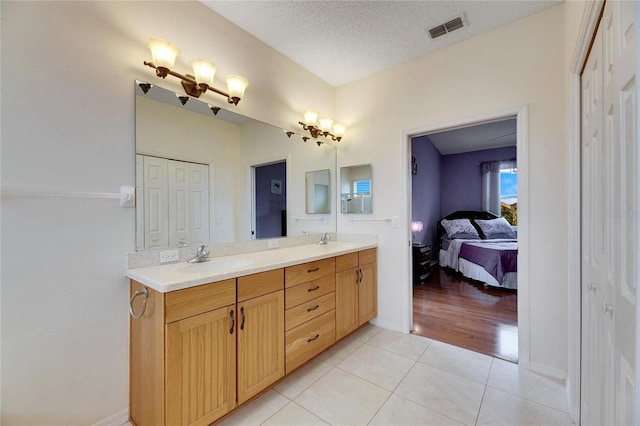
(202, 255)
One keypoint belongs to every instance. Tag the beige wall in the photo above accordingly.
(512, 66)
(68, 125)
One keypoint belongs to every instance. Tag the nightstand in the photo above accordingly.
(421, 263)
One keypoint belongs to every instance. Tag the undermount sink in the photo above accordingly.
(214, 266)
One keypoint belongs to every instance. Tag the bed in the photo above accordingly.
(480, 246)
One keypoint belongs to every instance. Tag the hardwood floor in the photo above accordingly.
(462, 312)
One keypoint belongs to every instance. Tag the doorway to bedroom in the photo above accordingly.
(464, 218)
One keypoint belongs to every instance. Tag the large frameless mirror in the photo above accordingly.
(208, 175)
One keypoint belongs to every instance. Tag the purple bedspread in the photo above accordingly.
(496, 258)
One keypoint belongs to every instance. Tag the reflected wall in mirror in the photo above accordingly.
(194, 173)
(317, 191)
(355, 189)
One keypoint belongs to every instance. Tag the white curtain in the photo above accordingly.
(491, 184)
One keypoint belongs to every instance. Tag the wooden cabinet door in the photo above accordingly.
(200, 367)
(367, 293)
(260, 343)
(346, 302)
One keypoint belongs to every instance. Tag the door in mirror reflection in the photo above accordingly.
(270, 200)
(175, 196)
(355, 189)
(317, 192)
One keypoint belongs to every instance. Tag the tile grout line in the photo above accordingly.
(484, 392)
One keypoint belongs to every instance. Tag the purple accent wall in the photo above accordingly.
(461, 179)
(269, 206)
(426, 190)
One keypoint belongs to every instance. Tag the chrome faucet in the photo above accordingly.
(324, 239)
(202, 255)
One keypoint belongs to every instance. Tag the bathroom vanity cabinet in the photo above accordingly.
(356, 290)
(197, 353)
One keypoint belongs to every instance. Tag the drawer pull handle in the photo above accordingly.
(313, 270)
(243, 318)
(233, 322)
(313, 338)
(137, 293)
(313, 309)
(313, 289)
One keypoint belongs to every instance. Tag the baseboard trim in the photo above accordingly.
(547, 371)
(117, 419)
(386, 324)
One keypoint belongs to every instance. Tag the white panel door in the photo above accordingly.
(139, 202)
(619, 297)
(610, 221)
(592, 353)
(156, 203)
(179, 203)
(199, 192)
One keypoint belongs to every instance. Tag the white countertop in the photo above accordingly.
(177, 276)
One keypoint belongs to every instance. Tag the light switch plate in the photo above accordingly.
(395, 222)
(169, 256)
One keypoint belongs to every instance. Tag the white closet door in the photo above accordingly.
(610, 221)
(179, 203)
(621, 185)
(199, 187)
(156, 203)
(592, 349)
(139, 202)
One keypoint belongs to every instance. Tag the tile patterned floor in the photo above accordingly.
(379, 377)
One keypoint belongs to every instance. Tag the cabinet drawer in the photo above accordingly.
(309, 339)
(185, 303)
(313, 308)
(310, 290)
(255, 285)
(367, 256)
(299, 274)
(346, 261)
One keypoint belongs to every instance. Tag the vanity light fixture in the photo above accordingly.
(324, 127)
(164, 55)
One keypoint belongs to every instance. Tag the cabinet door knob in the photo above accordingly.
(233, 322)
(313, 309)
(591, 287)
(606, 307)
(313, 270)
(243, 318)
(313, 338)
(313, 289)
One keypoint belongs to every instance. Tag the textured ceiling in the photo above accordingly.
(343, 41)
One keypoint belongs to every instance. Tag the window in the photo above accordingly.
(509, 195)
(362, 187)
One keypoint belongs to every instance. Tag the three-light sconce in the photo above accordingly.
(164, 55)
(323, 127)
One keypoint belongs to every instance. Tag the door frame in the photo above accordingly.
(522, 130)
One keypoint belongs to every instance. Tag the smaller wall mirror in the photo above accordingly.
(317, 186)
(355, 189)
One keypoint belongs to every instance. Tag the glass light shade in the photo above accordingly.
(325, 124)
(163, 52)
(310, 118)
(416, 226)
(203, 71)
(338, 130)
(236, 85)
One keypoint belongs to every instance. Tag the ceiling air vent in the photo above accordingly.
(449, 26)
